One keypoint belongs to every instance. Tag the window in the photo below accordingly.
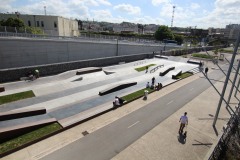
(55, 24)
(42, 23)
(29, 23)
(38, 24)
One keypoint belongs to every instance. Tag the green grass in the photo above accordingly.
(136, 94)
(15, 97)
(226, 50)
(202, 55)
(28, 137)
(144, 67)
(184, 75)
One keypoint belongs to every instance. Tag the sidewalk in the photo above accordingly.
(161, 142)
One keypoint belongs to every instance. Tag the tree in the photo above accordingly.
(12, 22)
(178, 38)
(163, 32)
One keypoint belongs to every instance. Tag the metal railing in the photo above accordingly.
(25, 33)
(231, 128)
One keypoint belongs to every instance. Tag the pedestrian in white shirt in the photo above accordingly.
(183, 122)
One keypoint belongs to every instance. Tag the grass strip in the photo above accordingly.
(15, 97)
(144, 67)
(184, 75)
(136, 94)
(202, 56)
(28, 137)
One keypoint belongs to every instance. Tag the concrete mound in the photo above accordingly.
(116, 88)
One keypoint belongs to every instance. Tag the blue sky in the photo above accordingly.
(199, 13)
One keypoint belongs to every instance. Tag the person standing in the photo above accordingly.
(183, 122)
(153, 81)
(146, 69)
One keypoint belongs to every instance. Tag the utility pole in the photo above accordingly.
(173, 15)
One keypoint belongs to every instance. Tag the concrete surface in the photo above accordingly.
(162, 142)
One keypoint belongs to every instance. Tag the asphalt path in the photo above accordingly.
(110, 140)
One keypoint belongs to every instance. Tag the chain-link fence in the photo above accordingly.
(230, 136)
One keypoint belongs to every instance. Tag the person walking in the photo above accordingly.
(206, 70)
(146, 69)
(183, 122)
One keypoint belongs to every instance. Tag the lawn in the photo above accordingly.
(15, 97)
(144, 67)
(202, 56)
(184, 75)
(28, 137)
(136, 94)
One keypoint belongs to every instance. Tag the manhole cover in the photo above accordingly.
(85, 133)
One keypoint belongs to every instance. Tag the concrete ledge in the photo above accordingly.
(88, 70)
(162, 57)
(116, 88)
(166, 71)
(177, 73)
(193, 61)
(21, 113)
(2, 89)
(7, 133)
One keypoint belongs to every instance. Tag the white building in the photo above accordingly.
(51, 25)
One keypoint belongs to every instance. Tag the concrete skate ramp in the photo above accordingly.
(116, 88)
(177, 73)
(107, 72)
(88, 70)
(160, 56)
(193, 61)
(166, 71)
(13, 114)
(12, 131)
(78, 79)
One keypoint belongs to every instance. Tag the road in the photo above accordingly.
(110, 140)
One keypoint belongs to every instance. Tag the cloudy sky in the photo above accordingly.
(200, 13)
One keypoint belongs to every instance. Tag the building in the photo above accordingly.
(51, 25)
(231, 31)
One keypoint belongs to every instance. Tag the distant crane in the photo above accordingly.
(173, 15)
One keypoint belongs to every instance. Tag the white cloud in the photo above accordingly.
(128, 8)
(195, 6)
(104, 2)
(102, 15)
(225, 12)
(159, 2)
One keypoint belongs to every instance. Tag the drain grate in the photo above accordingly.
(85, 133)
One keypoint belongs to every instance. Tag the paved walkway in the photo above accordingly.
(162, 142)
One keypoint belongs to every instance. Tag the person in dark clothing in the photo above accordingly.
(206, 70)
(153, 81)
(146, 69)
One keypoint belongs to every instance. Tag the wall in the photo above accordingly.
(16, 52)
(14, 74)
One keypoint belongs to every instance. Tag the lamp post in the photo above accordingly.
(34, 19)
